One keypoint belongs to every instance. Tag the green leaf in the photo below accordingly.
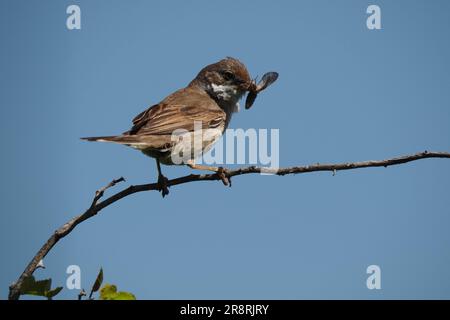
(39, 288)
(97, 283)
(109, 292)
(51, 293)
(36, 288)
(122, 295)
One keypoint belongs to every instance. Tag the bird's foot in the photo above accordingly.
(223, 174)
(162, 185)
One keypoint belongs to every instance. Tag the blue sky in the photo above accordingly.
(345, 93)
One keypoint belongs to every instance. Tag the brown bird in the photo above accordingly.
(203, 108)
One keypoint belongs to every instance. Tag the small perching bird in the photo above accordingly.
(204, 107)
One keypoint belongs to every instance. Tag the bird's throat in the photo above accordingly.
(227, 96)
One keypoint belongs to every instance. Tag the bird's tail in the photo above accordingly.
(160, 143)
(122, 139)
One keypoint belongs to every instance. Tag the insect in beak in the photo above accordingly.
(254, 89)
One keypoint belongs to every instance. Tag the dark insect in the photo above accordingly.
(266, 80)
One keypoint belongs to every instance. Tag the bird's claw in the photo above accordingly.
(162, 185)
(223, 174)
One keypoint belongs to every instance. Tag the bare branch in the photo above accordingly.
(14, 289)
(100, 192)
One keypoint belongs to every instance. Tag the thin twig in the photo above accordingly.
(81, 294)
(100, 192)
(14, 289)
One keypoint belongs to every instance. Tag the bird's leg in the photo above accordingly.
(162, 181)
(221, 172)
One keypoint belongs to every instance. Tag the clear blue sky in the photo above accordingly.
(344, 94)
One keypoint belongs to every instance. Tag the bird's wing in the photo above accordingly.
(179, 111)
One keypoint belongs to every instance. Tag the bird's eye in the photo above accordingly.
(228, 75)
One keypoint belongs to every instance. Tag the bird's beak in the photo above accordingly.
(250, 86)
(242, 84)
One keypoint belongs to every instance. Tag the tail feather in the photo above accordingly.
(103, 139)
(136, 141)
(122, 139)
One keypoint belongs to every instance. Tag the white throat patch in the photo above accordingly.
(230, 95)
(225, 92)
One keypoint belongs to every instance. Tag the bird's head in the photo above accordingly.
(226, 80)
